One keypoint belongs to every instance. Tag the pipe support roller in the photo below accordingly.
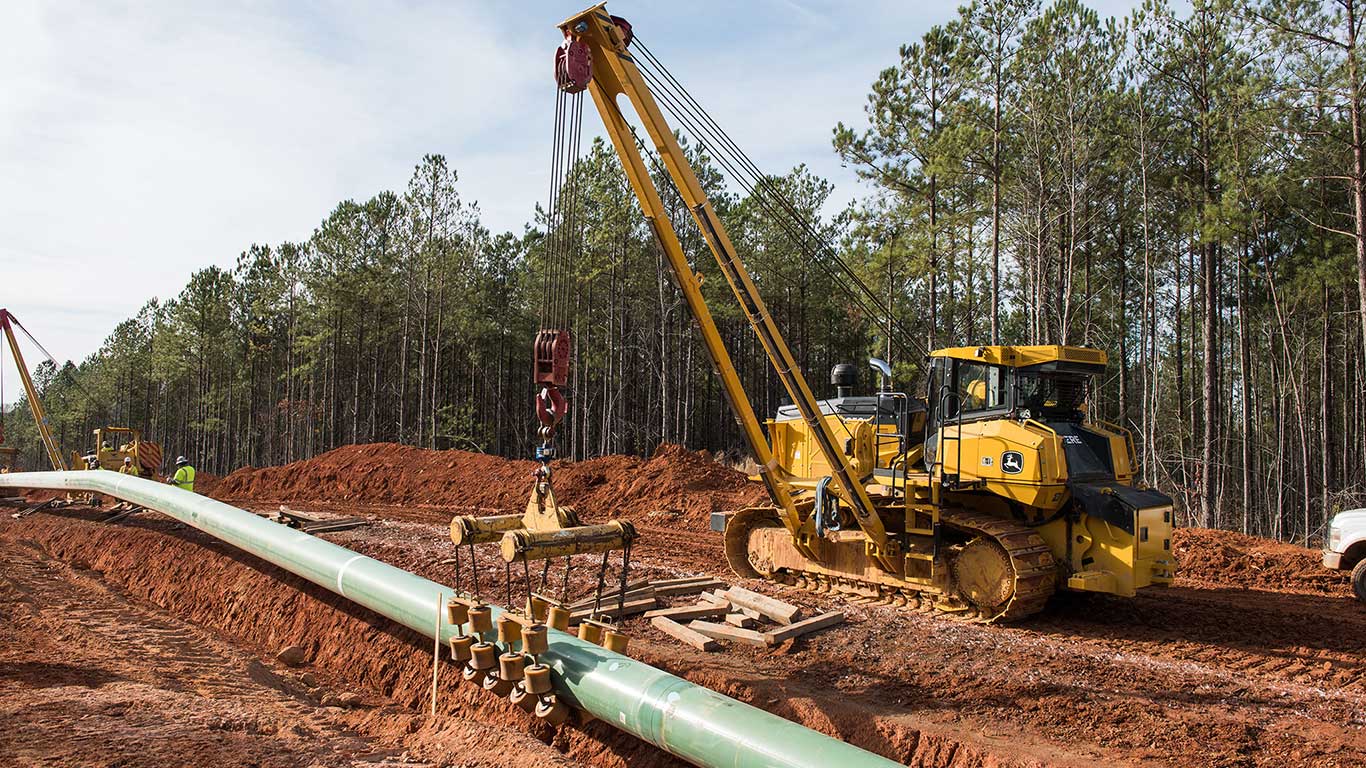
(585, 539)
(482, 530)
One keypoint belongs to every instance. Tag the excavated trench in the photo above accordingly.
(265, 609)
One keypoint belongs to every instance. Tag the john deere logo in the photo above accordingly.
(1012, 462)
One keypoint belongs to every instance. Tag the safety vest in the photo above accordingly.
(184, 478)
(128, 469)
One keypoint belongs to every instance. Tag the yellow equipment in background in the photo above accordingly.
(114, 444)
(9, 458)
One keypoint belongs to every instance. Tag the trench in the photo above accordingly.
(263, 609)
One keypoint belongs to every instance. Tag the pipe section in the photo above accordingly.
(688, 721)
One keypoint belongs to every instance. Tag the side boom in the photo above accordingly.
(35, 406)
(615, 73)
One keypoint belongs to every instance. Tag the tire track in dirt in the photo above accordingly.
(126, 684)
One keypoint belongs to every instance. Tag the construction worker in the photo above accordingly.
(128, 467)
(184, 475)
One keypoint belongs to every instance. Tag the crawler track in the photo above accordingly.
(1030, 565)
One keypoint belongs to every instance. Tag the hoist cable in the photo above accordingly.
(787, 219)
(562, 236)
(873, 312)
(547, 279)
(688, 112)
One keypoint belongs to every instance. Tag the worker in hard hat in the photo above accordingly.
(184, 475)
(128, 468)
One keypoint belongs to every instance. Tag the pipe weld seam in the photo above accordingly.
(342, 572)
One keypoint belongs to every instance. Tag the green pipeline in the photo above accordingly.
(688, 721)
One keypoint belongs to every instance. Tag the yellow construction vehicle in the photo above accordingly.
(112, 444)
(9, 462)
(979, 500)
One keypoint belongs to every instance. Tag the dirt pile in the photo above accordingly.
(674, 485)
(1225, 558)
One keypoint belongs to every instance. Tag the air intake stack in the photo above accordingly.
(844, 376)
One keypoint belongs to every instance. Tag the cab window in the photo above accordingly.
(980, 387)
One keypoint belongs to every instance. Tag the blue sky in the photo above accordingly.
(140, 141)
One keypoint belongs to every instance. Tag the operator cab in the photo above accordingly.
(1043, 384)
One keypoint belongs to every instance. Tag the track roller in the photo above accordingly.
(457, 611)
(558, 618)
(535, 639)
(481, 620)
(615, 641)
(536, 608)
(590, 631)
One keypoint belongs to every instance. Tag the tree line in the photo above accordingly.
(1185, 190)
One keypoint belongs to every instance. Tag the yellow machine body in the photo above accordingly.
(1009, 464)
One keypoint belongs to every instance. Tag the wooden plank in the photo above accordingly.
(750, 612)
(727, 632)
(679, 632)
(688, 589)
(783, 613)
(741, 620)
(611, 596)
(714, 597)
(326, 526)
(612, 589)
(631, 608)
(690, 612)
(805, 627)
(657, 583)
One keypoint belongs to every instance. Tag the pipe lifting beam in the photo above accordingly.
(689, 721)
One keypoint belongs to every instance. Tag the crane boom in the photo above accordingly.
(35, 406)
(614, 73)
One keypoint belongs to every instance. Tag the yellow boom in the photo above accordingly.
(35, 406)
(614, 74)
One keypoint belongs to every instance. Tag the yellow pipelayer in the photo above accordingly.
(980, 499)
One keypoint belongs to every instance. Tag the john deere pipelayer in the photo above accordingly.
(979, 499)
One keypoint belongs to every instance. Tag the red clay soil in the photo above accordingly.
(1206, 556)
(1254, 658)
(675, 489)
(92, 675)
(674, 486)
(261, 608)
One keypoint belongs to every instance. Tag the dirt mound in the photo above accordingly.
(1210, 557)
(674, 485)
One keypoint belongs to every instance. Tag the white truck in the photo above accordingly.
(1345, 548)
